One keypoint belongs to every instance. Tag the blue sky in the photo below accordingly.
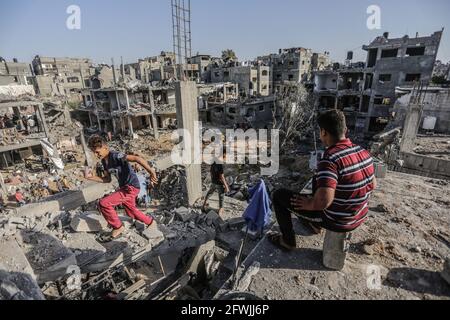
(140, 28)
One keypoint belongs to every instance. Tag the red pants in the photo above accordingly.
(125, 196)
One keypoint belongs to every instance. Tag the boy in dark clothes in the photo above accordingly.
(218, 183)
(119, 164)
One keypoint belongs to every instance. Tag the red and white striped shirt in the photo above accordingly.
(349, 170)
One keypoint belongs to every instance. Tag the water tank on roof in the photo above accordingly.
(350, 55)
(429, 123)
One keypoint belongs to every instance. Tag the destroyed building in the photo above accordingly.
(367, 91)
(320, 61)
(289, 66)
(202, 61)
(15, 73)
(70, 74)
(393, 62)
(123, 110)
(436, 111)
(17, 143)
(155, 68)
(253, 80)
(255, 113)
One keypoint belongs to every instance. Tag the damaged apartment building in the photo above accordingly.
(366, 91)
(125, 109)
(15, 73)
(159, 68)
(62, 76)
(18, 143)
(293, 65)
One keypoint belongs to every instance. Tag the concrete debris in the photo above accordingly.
(47, 255)
(213, 219)
(85, 247)
(243, 282)
(211, 265)
(88, 222)
(153, 234)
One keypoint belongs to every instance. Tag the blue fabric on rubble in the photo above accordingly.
(258, 212)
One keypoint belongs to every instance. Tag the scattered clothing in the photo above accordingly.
(258, 212)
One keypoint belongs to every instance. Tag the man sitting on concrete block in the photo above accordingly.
(344, 180)
(119, 164)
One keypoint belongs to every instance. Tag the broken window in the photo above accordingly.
(412, 77)
(73, 79)
(261, 108)
(250, 112)
(232, 110)
(365, 104)
(291, 77)
(378, 100)
(279, 76)
(372, 58)
(385, 77)
(369, 80)
(389, 53)
(265, 73)
(415, 51)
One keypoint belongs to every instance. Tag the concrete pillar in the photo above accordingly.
(187, 114)
(113, 120)
(130, 122)
(153, 110)
(42, 116)
(87, 155)
(2, 185)
(90, 119)
(411, 127)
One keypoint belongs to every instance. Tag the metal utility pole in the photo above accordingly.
(181, 29)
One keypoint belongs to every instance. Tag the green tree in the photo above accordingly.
(229, 55)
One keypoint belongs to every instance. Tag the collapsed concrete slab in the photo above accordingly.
(90, 221)
(153, 234)
(85, 247)
(66, 201)
(17, 279)
(130, 247)
(47, 255)
(183, 214)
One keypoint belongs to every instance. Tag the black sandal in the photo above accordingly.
(276, 239)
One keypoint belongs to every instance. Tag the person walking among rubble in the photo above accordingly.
(343, 183)
(31, 125)
(218, 183)
(119, 164)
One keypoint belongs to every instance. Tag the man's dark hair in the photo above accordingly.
(96, 142)
(333, 122)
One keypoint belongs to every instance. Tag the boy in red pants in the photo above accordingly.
(119, 164)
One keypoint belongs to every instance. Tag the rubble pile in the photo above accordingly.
(171, 189)
(144, 144)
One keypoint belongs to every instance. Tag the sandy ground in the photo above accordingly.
(406, 239)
